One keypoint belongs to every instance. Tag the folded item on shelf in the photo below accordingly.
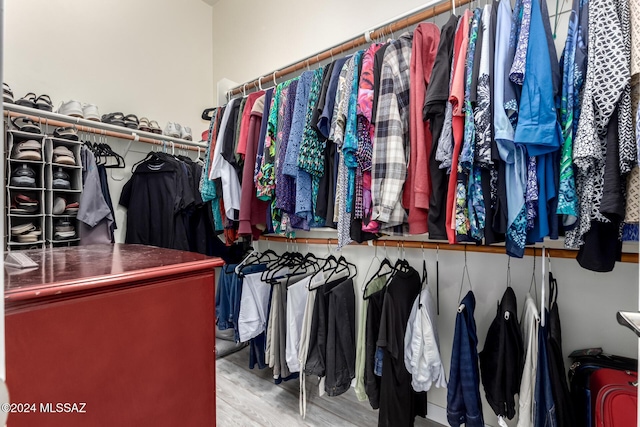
(67, 132)
(25, 124)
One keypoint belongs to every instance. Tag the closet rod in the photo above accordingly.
(368, 37)
(412, 244)
(99, 128)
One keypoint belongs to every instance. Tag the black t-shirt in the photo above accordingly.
(377, 72)
(399, 403)
(154, 196)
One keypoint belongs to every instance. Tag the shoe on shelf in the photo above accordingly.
(23, 176)
(43, 102)
(90, 112)
(29, 100)
(68, 132)
(7, 93)
(72, 209)
(171, 129)
(116, 119)
(61, 180)
(64, 225)
(143, 125)
(27, 150)
(131, 121)
(155, 127)
(71, 108)
(16, 230)
(59, 205)
(63, 156)
(185, 133)
(23, 204)
(25, 124)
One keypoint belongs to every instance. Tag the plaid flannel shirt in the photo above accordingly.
(391, 140)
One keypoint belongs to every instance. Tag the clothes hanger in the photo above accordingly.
(465, 272)
(425, 277)
(544, 287)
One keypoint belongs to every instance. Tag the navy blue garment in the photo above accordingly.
(463, 395)
(229, 295)
(257, 351)
(544, 414)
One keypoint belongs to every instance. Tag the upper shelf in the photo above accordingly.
(99, 128)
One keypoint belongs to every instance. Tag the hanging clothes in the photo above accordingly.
(529, 325)
(422, 345)
(391, 140)
(399, 403)
(426, 38)
(434, 110)
(361, 346)
(372, 381)
(501, 359)
(464, 405)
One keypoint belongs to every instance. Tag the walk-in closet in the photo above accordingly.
(245, 213)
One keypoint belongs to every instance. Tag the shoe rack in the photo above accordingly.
(14, 216)
(70, 195)
(44, 192)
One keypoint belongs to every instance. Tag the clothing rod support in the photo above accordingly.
(386, 29)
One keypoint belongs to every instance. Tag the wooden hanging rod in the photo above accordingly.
(80, 125)
(385, 30)
(391, 244)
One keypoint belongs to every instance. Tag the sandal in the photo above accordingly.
(7, 93)
(63, 156)
(131, 121)
(70, 133)
(29, 100)
(27, 150)
(116, 119)
(43, 102)
(25, 124)
(144, 125)
(155, 127)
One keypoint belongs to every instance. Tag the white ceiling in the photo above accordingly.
(211, 2)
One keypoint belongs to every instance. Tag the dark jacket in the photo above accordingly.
(464, 405)
(501, 361)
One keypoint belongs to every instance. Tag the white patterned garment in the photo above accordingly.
(635, 36)
(607, 86)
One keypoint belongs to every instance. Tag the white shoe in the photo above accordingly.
(90, 112)
(185, 133)
(71, 108)
(171, 129)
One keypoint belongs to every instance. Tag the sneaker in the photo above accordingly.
(71, 108)
(7, 93)
(90, 112)
(29, 100)
(43, 102)
(63, 156)
(185, 133)
(23, 176)
(23, 204)
(64, 225)
(61, 180)
(171, 129)
(27, 150)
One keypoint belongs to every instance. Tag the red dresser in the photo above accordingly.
(124, 332)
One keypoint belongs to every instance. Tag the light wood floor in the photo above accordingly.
(250, 398)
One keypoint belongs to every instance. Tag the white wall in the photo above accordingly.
(588, 301)
(152, 58)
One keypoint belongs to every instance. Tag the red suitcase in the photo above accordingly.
(615, 398)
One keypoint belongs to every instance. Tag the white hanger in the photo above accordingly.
(544, 287)
(260, 83)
